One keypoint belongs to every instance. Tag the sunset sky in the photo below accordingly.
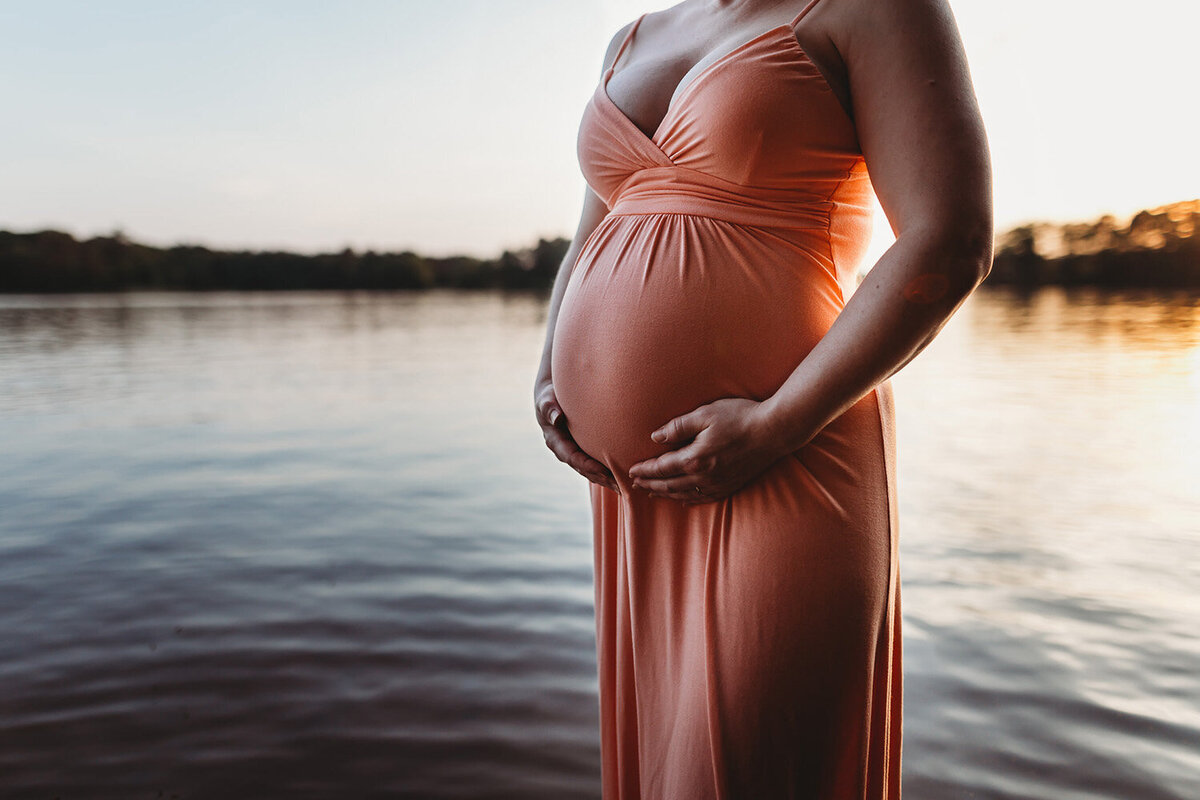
(451, 127)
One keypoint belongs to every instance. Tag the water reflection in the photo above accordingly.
(311, 545)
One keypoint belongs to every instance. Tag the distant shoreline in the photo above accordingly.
(1157, 248)
(54, 261)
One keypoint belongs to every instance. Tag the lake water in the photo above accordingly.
(312, 545)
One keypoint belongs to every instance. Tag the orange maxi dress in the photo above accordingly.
(749, 649)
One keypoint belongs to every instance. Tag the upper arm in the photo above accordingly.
(918, 121)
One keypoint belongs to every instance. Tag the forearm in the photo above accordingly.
(556, 296)
(908, 296)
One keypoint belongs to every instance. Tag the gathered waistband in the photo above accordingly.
(676, 190)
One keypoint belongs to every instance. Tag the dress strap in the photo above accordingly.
(628, 37)
(800, 16)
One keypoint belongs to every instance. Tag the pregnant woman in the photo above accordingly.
(712, 368)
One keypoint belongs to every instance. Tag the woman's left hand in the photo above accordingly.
(720, 447)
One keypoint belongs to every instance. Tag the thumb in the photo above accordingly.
(679, 430)
(548, 408)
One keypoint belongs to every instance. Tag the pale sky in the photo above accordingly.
(450, 127)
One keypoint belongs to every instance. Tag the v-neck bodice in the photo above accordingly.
(686, 84)
(758, 124)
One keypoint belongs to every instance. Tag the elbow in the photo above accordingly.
(978, 264)
(976, 241)
(984, 251)
(965, 247)
(969, 264)
(954, 260)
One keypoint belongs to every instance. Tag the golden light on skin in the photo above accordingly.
(926, 288)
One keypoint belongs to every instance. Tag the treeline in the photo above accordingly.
(1159, 247)
(53, 261)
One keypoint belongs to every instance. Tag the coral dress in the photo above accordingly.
(749, 649)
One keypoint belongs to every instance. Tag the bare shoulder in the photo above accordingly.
(903, 38)
(858, 22)
(915, 110)
(614, 45)
(652, 21)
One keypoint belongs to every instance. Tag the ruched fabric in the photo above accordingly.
(747, 648)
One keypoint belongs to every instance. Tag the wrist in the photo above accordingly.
(783, 428)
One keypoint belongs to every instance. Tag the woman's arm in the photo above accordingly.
(925, 147)
(553, 422)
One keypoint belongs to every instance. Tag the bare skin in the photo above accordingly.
(900, 69)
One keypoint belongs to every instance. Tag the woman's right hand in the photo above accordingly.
(558, 437)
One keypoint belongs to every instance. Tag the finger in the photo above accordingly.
(685, 489)
(589, 467)
(691, 498)
(680, 430)
(550, 410)
(686, 461)
(594, 472)
(669, 485)
(690, 495)
(568, 452)
(688, 498)
(609, 484)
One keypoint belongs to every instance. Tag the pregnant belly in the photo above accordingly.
(664, 313)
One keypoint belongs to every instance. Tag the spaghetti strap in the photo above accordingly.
(804, 11)
(628, 37)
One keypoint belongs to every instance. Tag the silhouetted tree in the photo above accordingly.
(1159, 247)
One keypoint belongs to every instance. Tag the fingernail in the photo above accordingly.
(554, 417)
(658, 436)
